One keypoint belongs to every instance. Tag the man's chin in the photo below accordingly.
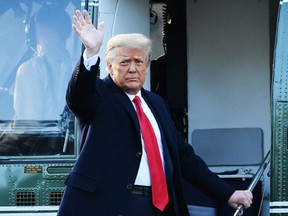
(133, 89)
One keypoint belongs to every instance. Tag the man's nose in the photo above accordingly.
(132, 67)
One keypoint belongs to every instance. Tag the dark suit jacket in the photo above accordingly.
(109, 135)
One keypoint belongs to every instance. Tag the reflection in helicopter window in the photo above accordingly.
(40, 86)
(34, 119)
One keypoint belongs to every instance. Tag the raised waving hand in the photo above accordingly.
(91, 37)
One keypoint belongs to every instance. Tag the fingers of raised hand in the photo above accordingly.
(81, 20)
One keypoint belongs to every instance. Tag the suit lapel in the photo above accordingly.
(154, 108)
(157, 109)
(124, 100)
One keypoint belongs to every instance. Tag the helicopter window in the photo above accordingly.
(38, 53)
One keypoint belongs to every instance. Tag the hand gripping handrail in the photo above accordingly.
(256, 178)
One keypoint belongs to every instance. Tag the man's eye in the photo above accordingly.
(123, 63)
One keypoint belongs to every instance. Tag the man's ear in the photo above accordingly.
(109, 69)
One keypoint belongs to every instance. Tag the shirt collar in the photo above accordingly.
(131, 97)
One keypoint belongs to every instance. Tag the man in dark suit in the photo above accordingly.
(113, 174)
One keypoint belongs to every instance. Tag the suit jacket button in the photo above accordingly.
(129, 186)
(138, 154)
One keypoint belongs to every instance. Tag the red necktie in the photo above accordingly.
(158, 182)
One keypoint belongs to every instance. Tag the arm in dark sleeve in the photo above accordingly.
(192, 168)
(81, 90)
(196, 171)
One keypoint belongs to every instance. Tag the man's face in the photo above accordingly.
(129, 69)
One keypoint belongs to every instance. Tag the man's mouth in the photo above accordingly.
(133, 78)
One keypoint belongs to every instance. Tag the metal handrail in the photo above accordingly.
(256, 178)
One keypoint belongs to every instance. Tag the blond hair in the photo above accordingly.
(132, 40)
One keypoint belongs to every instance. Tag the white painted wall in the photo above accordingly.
(228, 65)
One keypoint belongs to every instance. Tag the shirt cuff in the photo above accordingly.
(89, 62)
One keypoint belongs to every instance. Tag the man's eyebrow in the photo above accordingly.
(133, 57)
